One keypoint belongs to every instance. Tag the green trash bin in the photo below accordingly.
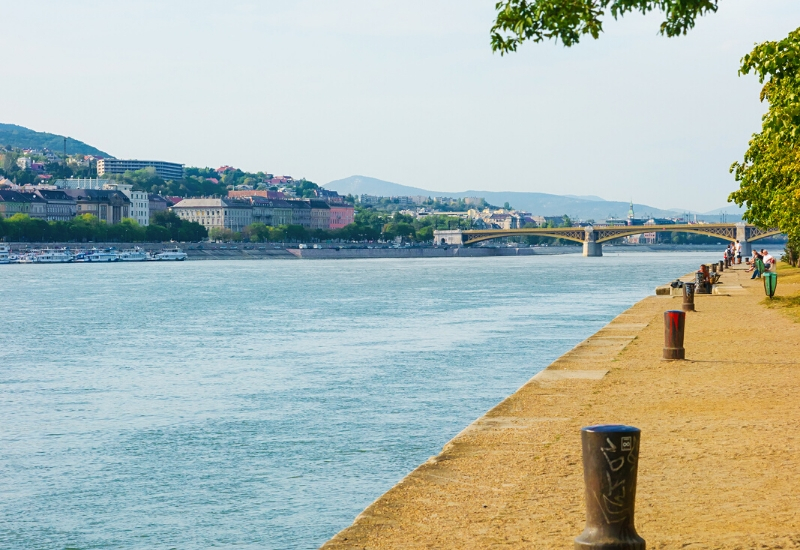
(770, 283)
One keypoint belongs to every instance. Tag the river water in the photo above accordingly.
(264, 404)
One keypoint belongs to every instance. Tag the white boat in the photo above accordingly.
(5, 252)
(134, 255)
(171, 254)
(95, 255)
(26, 258)
(50, 256)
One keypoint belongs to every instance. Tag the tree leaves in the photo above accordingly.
(568, 20)
(769, 174)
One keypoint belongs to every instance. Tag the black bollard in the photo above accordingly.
(688, 297)
(714, 267)
(674, 325)
(610, 461)
(724, 264)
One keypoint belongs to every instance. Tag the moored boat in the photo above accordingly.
(5, 252)
(171, 254)
(50, 256)
(107, 255)
(134, 255)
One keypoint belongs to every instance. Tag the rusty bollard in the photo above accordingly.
(688, 297)
(674, 324)
(610, 461)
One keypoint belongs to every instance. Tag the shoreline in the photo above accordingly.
(717, 440)
(259, 251)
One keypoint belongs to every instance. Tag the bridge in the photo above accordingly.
(593, 237)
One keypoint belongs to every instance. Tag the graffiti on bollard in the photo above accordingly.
(688, 297)
(674, 325)
(610, 464)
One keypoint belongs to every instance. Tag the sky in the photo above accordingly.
(407, 91)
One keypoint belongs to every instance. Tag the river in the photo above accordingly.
(265, 404)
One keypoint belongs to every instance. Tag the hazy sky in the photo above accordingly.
(407, 91)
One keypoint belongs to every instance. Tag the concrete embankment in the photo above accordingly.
(719, 456)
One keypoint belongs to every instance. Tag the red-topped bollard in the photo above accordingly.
(674, 325)
(688, 297)
(610, 463)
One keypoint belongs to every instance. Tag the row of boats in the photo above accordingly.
(94, 255)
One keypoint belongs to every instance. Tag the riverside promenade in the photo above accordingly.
(719, 462)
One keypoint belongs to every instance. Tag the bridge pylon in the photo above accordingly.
(741, 236)
(592, 248)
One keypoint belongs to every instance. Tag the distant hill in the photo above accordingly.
(542, 204)
(25, 138)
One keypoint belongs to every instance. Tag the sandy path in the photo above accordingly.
(720, 451)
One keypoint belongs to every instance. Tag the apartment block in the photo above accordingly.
(164, 170)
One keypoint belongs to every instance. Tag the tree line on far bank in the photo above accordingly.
(164, 226)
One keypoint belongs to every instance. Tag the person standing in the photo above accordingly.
(737, 248)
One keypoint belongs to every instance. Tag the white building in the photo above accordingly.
(24, 163)
(216, 213)
(140, 202)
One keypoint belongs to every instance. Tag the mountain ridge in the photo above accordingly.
(25, 138)
(543, 204)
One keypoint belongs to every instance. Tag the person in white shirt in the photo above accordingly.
(768, 260)
(738, 251)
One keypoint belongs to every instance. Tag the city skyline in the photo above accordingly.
(408, 92)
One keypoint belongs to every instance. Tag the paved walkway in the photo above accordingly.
(720, 452)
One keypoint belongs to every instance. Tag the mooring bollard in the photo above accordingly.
(700, 279)
(610, 461)
(724, 264)
(674, 325)
(688, 297)
(714, 267)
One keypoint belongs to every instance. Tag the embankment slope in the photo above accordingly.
(720, 451)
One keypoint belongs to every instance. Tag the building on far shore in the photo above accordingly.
(216, 213)
(60, 206)
(271, 212)
(164, 170)
(157, 203)
(265, 193)
(341, 215)
(13, 202)
(109, 206)
(140, 203)
(82, 183)
(320, 214)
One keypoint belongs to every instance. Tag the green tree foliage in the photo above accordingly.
(85, 228)
(769, 174)
(24, 138)
(569, 20)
